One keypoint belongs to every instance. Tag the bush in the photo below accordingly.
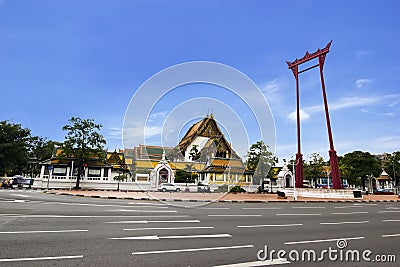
(237, 189)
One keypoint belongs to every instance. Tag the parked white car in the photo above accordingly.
(164, 187)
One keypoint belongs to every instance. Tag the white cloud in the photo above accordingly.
(303, 115)
(361, 82)
(344, 103)
(389, 114)
(277, 97)
(157, 116)
(151, 131)
(271, 87)
(114, 133)
(347, 102)
(138, 133)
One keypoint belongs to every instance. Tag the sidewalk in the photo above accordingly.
(213, 197)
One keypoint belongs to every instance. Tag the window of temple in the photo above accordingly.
(94, 174)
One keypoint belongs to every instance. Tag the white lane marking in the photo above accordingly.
(392, 208)
(170, 228)
(256, 263)
(214, 208)
(394, 235)
(347, 213)
(308, 207)
(348, 207)
(269, 208)
(44, 231)
(189, 250)
(156, 237)
(298, 214)
(323, 240)
(270, 225)
(18, 195)
(146, 221)
(91, 216)
(42, 258)
(234, 215)
(152, 211)
(17, 201)
(389, 211)
(106, 205)
(391, 221)
(146, 203)
(333, 223)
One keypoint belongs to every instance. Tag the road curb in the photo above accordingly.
(222, 200)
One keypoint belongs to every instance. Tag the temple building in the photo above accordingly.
(203, 151)
(58, 172)
(203, 154)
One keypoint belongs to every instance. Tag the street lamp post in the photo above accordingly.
(50, 168)
(396, 183)
(294, 178)
(229, 176)
(394, 173)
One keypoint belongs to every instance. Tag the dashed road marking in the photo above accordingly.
(156, 237)
(190, 250)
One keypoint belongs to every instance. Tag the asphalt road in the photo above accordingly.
(50, 230)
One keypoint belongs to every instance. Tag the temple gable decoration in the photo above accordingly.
(208, 137)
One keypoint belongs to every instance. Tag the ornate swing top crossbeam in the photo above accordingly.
(320, 52)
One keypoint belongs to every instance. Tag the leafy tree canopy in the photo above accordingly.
(20, 152)
(359, 164)
(314, 167)
(392, 166)
(260, 160)
(185, 176)
(14, 142)
(83, 142)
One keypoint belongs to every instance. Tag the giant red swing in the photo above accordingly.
(294, 66)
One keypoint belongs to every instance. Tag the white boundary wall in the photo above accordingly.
(320, 193)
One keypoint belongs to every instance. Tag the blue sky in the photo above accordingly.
(87, 58)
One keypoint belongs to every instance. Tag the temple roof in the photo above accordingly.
(150, 152)
(206, 127)
(384, 176)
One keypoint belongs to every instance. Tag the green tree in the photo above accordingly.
(313, 169)
(186, 175)
(392, 167)
(260, 160)
(14, 142)
(359, 165)
(39, 149)
(83, 142)
(120, 178)
(181, 176)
